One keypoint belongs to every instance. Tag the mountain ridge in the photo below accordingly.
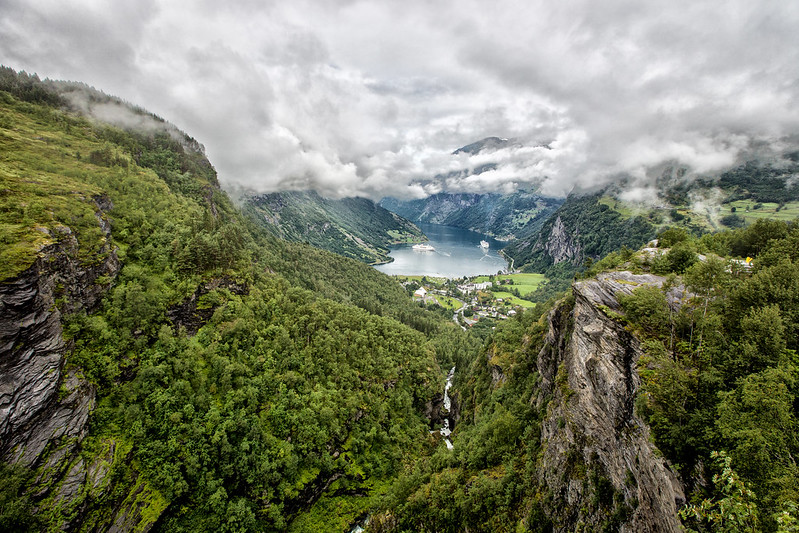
(353, 227)
(499, 215)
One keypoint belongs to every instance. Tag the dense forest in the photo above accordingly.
(239, 382)
(762, 183)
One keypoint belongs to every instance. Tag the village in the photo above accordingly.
(476, 300)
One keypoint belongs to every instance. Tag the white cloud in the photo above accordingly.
(371, 98)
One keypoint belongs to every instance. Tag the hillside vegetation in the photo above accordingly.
(352, 227)
(721, 366)
(241, 377)
(718, 389)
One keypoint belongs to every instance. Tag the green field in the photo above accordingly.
(523, 282)
(789, 211)
(447, 302)
(513, 300)
(403, 237)
(526, 282)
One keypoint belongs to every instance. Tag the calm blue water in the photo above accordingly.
(457, 254)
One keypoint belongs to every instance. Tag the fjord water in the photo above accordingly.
(457, 254)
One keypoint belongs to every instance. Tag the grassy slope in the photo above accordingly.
(44, 185)
(746, 209)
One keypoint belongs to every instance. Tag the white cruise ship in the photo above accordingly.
(424, 247)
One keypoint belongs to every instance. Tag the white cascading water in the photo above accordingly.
(446, 431)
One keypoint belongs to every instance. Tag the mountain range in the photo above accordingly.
(503, 216)
(168, 364)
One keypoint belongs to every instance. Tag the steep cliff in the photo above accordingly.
(44, 409)
(582, 227)
(548, 437)
(561, 245)
(60, 186)
(598, 460)
(32, 346)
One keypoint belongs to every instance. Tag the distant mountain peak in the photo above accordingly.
(489, 144)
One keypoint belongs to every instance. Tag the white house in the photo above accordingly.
(420, 293)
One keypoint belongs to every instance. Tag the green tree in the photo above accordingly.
(706, 278)
(647, 307)
(680, 258)
(734, 512)
(671, 236)
(16, 507)
(756, 421)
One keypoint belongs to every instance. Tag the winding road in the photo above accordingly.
(457, 312)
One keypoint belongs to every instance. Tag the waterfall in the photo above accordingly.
(360, 525)
(446, 431)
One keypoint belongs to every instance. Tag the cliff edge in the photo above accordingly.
(598, 459)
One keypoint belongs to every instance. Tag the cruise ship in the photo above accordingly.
(424, 247)
(484, 245)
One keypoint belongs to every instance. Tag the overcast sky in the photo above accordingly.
(371, 97)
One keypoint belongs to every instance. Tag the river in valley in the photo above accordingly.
(457, 254)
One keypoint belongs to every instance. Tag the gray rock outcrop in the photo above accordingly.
(32, 346)
(43, 410)
(560, 245)
(598, 460)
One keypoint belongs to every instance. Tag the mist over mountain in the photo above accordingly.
(297, 96)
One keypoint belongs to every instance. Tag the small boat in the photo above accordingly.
(424, 247)
(484, 245)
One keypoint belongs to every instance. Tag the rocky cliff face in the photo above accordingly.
(560, 245)
(44, 410)
(436, 209)
(598, 460)
(551, 245)
(32, 347)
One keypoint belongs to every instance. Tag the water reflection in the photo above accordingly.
(457, 253)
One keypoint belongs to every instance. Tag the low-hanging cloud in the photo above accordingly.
(366, 98)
